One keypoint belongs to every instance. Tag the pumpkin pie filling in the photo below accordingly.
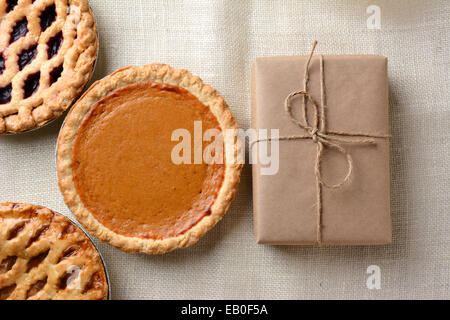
(122, 167)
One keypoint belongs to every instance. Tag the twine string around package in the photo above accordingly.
(317, 133)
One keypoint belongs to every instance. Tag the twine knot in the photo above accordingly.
(314, 136)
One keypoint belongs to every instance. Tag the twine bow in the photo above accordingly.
(317, 133)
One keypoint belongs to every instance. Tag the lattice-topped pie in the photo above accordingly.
(118, 161)
(47, 52)
(44, 256)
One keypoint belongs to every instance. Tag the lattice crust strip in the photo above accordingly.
(47, 52)
(44, 256)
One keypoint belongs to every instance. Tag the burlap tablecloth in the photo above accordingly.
(219, 40)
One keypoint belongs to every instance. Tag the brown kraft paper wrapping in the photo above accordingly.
(285, 204)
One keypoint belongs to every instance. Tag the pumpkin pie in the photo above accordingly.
(44, 256)
(47, 55)
(115, 159)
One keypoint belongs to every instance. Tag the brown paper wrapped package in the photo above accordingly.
(285, 204)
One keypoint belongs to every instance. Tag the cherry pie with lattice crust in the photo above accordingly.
(47, 53)
(44, 256)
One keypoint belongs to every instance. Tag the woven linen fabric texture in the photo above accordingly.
(219, 40)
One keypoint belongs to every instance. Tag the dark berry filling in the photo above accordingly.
(5, 94)
(2, 63)
(55, 74)
(54, 45)
(11, 5)
(19, 30)
(31, 84)
(26, 56)
(47, 17)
